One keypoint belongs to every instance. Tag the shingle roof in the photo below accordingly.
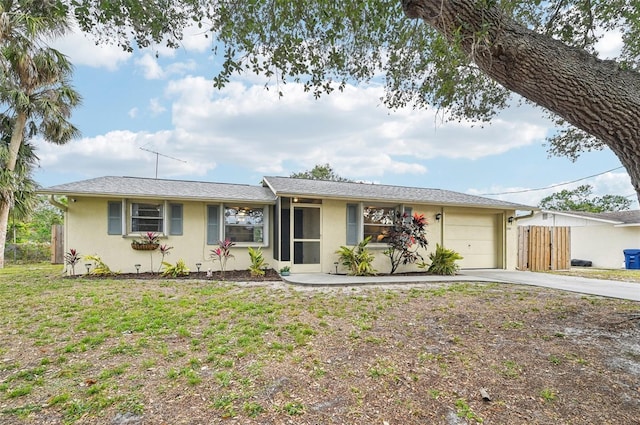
(165, 189)
(111, 186)
(286, 186)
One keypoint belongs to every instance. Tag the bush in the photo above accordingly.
(258, 263)
(358, 260)
(407, 235)
(443, 261)
(100, 268)
(28, 252)
(180, 269)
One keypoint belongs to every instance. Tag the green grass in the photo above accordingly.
(86, 349)
(510, 369)
(607, 274)
(464, 411)
(548, 395)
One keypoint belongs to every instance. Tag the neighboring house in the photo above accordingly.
(297, 222)
(596, 237)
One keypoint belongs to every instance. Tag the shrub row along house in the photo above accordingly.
(298, 223)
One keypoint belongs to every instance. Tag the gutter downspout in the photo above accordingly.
(53, 201)
(518, 217)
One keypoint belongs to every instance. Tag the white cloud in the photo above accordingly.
(149, 66)
(155, 107)
(197, 39)
(82, 50)
(120, 150)
(259, 131)
(151, 69)
(133, 112)
(610, 45)
(349, 128)
(180, 68)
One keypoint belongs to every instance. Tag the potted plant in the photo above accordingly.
(149, 241)
(285, 271)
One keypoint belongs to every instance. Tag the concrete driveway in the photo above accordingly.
(605, 288)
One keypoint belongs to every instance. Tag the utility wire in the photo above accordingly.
(553, 185)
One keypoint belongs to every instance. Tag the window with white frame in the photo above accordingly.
(377, 221)
(147, 217)
(140, 217)
(371, 220)
(243, 224)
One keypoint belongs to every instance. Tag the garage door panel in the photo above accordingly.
(470, 233)
(478, 261)
(476, 247)
(473, 220)
(475, 237)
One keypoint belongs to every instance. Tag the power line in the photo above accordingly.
(553, 185)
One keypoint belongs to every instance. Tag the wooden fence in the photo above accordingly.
(57, 244)
(543, 248)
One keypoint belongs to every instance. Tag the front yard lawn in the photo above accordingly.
(86, 351)
(608, 274)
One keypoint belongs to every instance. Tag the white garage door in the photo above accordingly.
(475, 237)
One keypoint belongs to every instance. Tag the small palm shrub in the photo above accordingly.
(443, 261)
(177, 270)
(258, 263)
(100, 267)
(358, 259)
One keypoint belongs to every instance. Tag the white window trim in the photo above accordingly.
(130, 217)
(361, 225)
(373, 243)
(265, 225)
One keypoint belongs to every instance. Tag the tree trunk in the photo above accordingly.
(594, 95)
(4, 225)
(17, 137)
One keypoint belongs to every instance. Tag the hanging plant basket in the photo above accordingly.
(145, 246)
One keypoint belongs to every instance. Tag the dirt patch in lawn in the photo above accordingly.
(204, 352)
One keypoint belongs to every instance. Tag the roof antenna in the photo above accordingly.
(158, 154)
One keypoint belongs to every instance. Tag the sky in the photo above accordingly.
(155, 113)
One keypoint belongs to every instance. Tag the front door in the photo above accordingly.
(306, 221)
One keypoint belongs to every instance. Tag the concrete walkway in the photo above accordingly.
(605, 288)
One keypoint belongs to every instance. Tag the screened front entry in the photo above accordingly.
(306, 237)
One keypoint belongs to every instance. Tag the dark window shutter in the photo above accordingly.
(114, 220)
(213, 225)
(352, 224)
(175, 220)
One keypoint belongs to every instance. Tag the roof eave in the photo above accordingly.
(404, 201)
(147, 196)
(584, 217)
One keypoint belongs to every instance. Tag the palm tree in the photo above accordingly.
(35, 88)
(18, 188)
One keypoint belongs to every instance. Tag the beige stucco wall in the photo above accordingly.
(334, 235)
(510, 254)
(86, 231)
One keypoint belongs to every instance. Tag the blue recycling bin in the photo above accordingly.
(632, 258)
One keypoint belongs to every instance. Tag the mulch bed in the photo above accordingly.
(229, 275)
